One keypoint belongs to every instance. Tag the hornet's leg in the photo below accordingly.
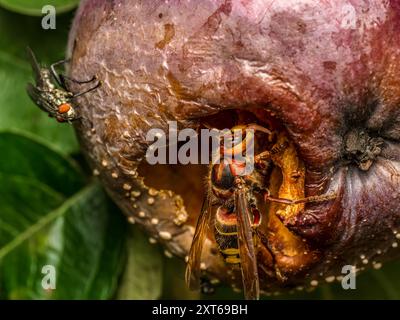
(326, 197)
(263, 156)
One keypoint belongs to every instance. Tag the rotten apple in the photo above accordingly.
(323, 74)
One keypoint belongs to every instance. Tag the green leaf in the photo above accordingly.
(27, 156)
(16, 109)
(142, 278)
(174, 285)
(34, 7)
(370, 285)
(42, 224)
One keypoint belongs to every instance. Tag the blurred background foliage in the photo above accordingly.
(52, 212)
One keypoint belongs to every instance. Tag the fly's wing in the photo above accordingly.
(248, 259)
(37, 98)
(193, 272)
(35, 66)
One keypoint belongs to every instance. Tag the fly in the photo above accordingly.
(50, 92)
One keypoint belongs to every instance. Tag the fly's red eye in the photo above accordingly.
(60, 120)
(64, 108)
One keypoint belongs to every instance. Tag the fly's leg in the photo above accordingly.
(60, 81)
(86, 91)
(60, 78)
(64, 77)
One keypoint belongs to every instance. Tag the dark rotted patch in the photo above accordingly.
(361, 148)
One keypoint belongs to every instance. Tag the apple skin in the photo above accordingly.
(327, 70)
